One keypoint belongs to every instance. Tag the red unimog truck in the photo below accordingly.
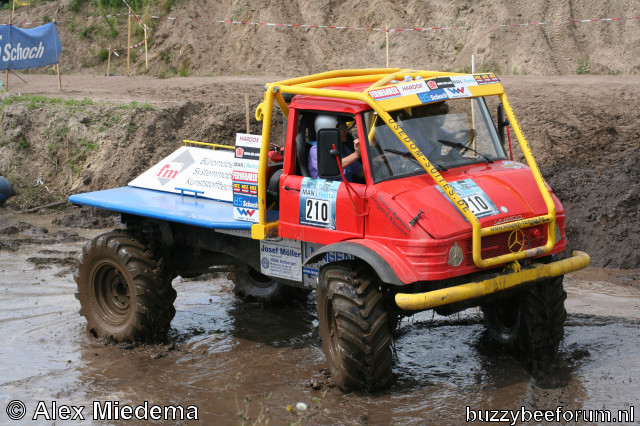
(395, 193)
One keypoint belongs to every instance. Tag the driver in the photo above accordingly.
(434, 131)
(424, 125)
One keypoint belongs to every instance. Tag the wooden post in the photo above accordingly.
(128, 42)
(246, 110)
(473, 115)
(58, 70)
(108, 62)
(6, 84)
(387, 45)
(146, 52)
(59, 79)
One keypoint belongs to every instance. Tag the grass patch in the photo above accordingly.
(103, 55)
(38, 101)
(583, 67)
(22, 143)
(135, 105)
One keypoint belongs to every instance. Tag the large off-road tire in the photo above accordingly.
(354, 327)
(124, 291)
(532, 323)
(253, 285)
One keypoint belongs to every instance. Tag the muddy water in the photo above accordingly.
(225, 356)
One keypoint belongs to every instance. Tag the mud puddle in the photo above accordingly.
(231, 358)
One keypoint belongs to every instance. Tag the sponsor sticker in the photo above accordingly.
(440, 83)
(413, 88)
(318, 202)
(245, 177)
(193, 169)
(281, 259)
(310, 270)
(458, 92)
(511, 165)
(385, 93)
(433, 96)
(474, 197)
(486, 78)
(464, 81)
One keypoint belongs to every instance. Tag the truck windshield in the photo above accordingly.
(451, 134)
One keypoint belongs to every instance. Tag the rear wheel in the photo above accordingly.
(531, 323)
(253, 285)
(354, 327)
(124, 292)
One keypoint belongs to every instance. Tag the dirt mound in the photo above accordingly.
(588, 152)
(496, 31)
(586, 145)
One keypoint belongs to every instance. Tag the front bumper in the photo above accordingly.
(459, 293)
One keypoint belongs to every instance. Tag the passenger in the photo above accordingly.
(351, 158)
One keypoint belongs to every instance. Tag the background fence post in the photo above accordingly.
(146, 52)
(128, 42)
(387, 45)
(246, 110)
(108, 62)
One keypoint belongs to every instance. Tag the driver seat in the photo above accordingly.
(306, 132)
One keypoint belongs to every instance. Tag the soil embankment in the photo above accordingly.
(109, 130)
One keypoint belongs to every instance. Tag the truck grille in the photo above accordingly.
(498, 244)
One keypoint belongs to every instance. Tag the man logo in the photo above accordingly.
(516, 241)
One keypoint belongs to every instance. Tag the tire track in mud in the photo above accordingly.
(560, 46)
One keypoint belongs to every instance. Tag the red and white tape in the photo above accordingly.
(336, 27)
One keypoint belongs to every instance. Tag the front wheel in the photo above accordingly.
(124, 292)
(532, 323)
(354, 327)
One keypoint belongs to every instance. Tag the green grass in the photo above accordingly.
(583, 67)
(22, 143)
(135, 105)
(37, 101)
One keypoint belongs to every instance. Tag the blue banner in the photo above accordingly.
(29, 48)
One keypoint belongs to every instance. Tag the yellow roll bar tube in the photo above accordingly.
(312, 85)
(473, 290)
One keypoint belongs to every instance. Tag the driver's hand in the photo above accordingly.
(356, 147)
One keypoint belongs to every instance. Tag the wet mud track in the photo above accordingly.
(231, 358)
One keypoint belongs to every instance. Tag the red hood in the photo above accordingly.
(509, 186)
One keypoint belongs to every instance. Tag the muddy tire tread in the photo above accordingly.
(151, 309)
(542, 321)
(364, 337)
(538, 327)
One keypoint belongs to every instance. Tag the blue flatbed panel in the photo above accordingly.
(185, 209)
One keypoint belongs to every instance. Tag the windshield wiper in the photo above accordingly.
(458, 145)
(408, 155)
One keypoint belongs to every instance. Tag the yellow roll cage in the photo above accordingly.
(315, 85)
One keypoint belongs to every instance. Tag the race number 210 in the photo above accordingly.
(317, 210)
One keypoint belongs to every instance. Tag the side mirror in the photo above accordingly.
(327, 164)
(502, 123)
